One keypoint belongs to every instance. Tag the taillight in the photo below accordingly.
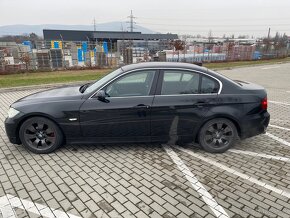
(264, 103)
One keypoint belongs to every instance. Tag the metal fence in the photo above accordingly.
(52, 55)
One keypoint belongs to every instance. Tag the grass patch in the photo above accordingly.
(27, 79)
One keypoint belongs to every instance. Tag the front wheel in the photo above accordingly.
(40, 135)
(218, 135)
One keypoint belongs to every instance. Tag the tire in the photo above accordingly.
(218, 135)
(40, 135)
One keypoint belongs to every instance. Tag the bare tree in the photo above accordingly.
(178, 45)
(280, 43)
(20, 38)
(25, 58)
(267, 43)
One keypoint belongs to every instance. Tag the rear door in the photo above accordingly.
(181, 102)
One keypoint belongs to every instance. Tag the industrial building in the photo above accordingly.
(99, 36)
(89, 47)
(72, 49)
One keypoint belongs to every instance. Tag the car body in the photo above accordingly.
(147, 102)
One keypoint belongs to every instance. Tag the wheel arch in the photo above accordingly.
(28, 116)
(218, 116)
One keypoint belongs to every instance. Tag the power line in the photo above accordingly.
(204, 31)
(219, 30)
(214, 25)
(213, 19)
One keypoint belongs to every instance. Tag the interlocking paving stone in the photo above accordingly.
(142, 181)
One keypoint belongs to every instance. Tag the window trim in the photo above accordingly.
(200, 84)
(182, 72)
(201, 74)
(152, 88)
(158, 79)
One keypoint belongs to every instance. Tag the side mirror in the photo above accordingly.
(101, 95)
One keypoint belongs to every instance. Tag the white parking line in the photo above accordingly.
(208, 199)
(278, 102)
(8, 202)
(279, 127)
(278, 139)
(254, 154)
(268, 68)
(236, 173)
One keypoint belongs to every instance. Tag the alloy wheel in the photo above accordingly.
(40, 135)
(219, 134)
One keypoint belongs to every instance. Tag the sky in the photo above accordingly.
(238, 17)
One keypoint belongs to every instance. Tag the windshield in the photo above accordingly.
(103, 81)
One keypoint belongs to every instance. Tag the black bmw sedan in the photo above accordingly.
(148, 102)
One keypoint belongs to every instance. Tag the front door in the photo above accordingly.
(125, 113)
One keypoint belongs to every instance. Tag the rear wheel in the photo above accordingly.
(218, 135)
(40, 135)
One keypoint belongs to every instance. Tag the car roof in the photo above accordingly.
(159, 65)
(163, 65)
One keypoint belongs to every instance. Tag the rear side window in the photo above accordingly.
(209, 85)
(179, 82)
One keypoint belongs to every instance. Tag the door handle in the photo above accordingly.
(200, 103)
(142, 106)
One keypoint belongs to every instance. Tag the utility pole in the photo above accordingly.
(131, 17)
(130, 51)
(269, 31)
(94, 24)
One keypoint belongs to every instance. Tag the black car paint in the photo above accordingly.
(141, 119)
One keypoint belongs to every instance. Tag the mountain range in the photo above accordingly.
(20, 29)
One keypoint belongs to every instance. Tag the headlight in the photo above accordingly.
(12, 112)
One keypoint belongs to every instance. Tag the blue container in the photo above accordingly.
(80, 55)
(56, 44)
(105, 47)
(85, 46)
(27, 43)
(257, 55)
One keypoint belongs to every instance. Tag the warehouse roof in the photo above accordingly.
(80, 35)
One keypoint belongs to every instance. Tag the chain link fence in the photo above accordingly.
(58, 55)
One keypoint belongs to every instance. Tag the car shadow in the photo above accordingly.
(97, 147)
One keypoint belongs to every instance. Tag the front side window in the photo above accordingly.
(179, 82)
(103, 81)
(209, 85)
(133, 84)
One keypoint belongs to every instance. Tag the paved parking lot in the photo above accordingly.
(250, 180)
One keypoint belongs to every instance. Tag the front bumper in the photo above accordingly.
(255, 124)
(11, 131)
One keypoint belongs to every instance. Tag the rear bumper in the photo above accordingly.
(255, 124)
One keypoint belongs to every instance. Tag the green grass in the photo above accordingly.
(223, 65)
(26, 79)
